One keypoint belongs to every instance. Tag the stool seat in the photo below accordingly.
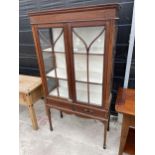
(30, 90)
(28, 83)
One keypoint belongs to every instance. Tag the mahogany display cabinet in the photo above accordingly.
(75, 50)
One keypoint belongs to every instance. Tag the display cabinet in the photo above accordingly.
(75, 50)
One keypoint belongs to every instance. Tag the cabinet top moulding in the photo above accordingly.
(87, 13)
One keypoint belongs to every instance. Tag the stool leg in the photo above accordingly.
(49, 118)
(33, 117)
(31, 112)
(61, 114)
(105, 134)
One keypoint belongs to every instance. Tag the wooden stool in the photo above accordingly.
(125, 104)
(30, 90)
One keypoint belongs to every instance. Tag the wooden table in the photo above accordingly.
(30, 90)
(125, 104)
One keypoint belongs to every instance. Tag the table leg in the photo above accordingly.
(124, 133)
(32, 112)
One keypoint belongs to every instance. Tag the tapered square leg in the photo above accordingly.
(105, 134)
(49, 118)
(61, 114)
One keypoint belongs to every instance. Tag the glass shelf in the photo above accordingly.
(50, 50)
(61, 73)
(96, 77)
(93, 52)
(78, 53)
(47, 50)
(82, 53)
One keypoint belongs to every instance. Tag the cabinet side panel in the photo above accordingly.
(109, 63)
(40, 62)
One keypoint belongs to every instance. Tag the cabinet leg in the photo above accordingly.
(61, 114)
(49, 118)
(105, 134)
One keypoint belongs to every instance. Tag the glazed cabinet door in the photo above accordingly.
(54, 58)
(88, 40)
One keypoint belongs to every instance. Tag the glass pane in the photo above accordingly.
(95, 94)
(45, 40)
(80, 67)
(57, 36)
(52, 45)
(88, 50)
(95, 69)
(60, 67)
(48, 61)
(52, 84)
(98, 46)
(61, 60)
(89, 38)
(61, 90)
(59, 45)
(78, 45)
(81, 92)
